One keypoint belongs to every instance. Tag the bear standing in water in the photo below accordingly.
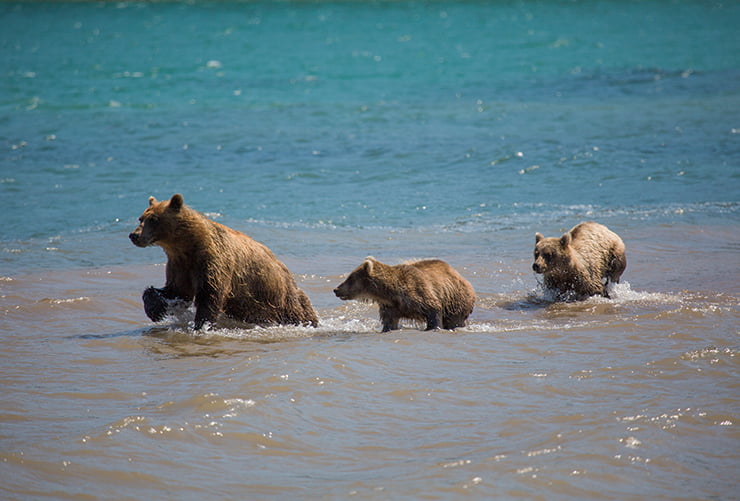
(582, 262)
(220, 269)
(430, 291)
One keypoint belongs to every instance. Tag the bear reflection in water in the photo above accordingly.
(220, 269)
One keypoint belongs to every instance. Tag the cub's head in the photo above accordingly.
(359, 283)
(550, 253)
(158, 221)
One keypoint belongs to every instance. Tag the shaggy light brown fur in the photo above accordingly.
(582, 262)
(220, 269)
(430, 291)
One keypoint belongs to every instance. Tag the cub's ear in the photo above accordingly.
(152, 201)
(538, 237)
(176, 202)
(368, 264)
(565, 240)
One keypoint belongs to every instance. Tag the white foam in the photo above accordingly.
(360, 318)
(67, 300)
(181, 321)
(622, 292)
(618, 293)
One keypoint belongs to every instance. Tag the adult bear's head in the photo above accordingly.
(159, 222)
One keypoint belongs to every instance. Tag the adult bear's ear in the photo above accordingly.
(538, 237)
(565, 240)
(152, 201)
(176, 202)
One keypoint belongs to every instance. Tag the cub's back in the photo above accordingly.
(433, 266)
(440, 274)
(590, 236)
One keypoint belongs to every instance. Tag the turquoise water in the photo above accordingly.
(397, 115)
(335, 130)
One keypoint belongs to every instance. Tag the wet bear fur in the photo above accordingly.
(220, 269)
(429, 291)
(582, 262)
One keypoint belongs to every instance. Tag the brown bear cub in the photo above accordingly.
(222, 270)
(582, 262)
(430, 291)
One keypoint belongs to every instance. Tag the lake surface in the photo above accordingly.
(332, 131)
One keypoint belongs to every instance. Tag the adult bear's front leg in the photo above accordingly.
(207, 306)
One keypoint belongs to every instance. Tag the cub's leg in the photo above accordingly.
(453, 322)
(433, 320)
(389, 318)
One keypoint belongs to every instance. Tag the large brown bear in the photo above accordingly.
(222, 270)
(582, 262)
(430, 291)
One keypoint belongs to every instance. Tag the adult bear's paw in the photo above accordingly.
(155, 305)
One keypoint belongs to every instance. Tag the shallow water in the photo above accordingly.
(333, 131)
(632, 397)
